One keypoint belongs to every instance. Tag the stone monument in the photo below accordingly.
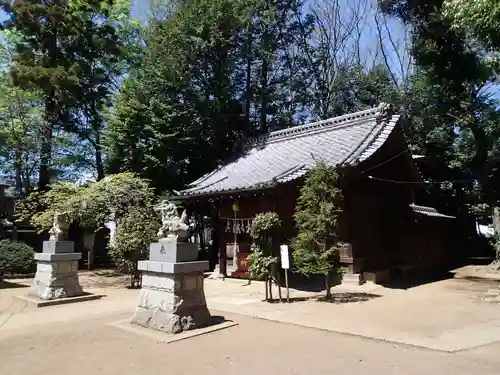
(57, 267)
(172, 297)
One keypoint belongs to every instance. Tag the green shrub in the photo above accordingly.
(134, 233)
(259, 264)
(317, 217)
(264, 225)
(262, 260)
(16, 258)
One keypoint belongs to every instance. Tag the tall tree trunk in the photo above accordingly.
(46, 146)
(51, 112)
(26, 181)
(327, 287)
(248, 84)
(19, 171)
(263, 96)
(98, 157)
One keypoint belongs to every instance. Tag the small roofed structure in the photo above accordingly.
(370, 149)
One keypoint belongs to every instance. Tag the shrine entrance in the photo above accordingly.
(237, 244)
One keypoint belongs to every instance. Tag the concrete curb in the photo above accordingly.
(36, 302)
(159, 336)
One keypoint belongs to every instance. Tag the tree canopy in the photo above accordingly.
(123, 197)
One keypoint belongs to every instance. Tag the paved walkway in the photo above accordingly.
(94, 346)
(445, 316)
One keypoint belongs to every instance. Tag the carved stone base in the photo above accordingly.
(56, 276)
(172, 303)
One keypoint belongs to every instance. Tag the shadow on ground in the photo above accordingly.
(313, 284)
(108, 273)
(337, 298)
(400, 280)
(4, 284)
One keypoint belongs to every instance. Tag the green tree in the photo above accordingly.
(274, 65)
(481, 19)
(124, 196)
(176, 115)
(454, 73)
(317, 217)
(66, 51)
(107, 61)
(200, 91)
(21, 121)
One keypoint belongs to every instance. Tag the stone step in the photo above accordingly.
(352, 279)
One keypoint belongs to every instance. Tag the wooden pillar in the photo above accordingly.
(218, 244)
(222, 250)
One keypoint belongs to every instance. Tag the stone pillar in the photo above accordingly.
(56, 271)
(172, 297)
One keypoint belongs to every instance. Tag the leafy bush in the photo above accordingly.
(259, 264)
(264, 225)
(16, 258)
(262, 260)
(134, 233)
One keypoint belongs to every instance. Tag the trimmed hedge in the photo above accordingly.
(16, 258)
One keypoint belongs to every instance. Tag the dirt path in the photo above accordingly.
(253, 347)
(78, 339)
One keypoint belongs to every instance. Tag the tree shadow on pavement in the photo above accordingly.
(340, 298)
(4, 284)
(337, 298)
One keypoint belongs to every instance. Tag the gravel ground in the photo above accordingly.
(92, 346)
(78, 339)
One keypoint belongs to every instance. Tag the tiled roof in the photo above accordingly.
(288, 154)
(429, 211)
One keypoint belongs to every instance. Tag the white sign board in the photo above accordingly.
(285, 260)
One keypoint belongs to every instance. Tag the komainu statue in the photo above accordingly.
(171, 223)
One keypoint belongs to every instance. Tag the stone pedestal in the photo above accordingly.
(172, 297)
(56, 271)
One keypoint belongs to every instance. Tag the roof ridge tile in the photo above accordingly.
(329, 124)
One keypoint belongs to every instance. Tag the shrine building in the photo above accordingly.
(383, 223)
